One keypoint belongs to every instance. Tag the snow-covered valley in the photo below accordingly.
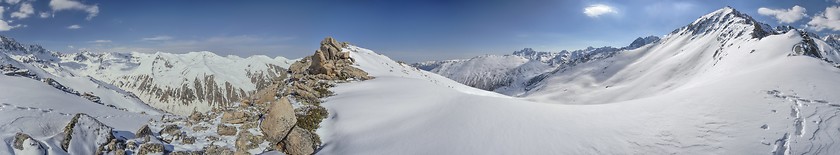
(723, 84)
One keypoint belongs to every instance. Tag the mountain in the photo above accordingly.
(512, 74)
(179, 83)
(722, 85)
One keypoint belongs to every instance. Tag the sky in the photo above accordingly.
(405, 30)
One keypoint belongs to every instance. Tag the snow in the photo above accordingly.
(697, 91)
(44, 114)
(381, 116)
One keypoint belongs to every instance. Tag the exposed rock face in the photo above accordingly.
(279, 120)
(151, 148)
(87, 132)
(143, 132)
(299, 142)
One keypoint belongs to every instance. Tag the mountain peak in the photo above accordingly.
(726, 20)
(639, 42)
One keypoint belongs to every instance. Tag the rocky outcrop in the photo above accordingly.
(89, 134)
(25, 143)
(329, 60)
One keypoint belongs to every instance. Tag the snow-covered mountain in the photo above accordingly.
(512, 74)
(180, 83)
(722, 85)
(176, 83)
(38, 64)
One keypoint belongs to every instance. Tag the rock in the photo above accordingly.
(131, 145)
(211, 138)
(200, 128)
(237, 117)
(247, 141)
(171, 129)
(87, 132)
(225, 130)
(188, 140)
(120, 152)
(299, 142)
(186, 153)
(151, 148)
(196, 116)
(279, 120)
(213, 149)
(143, 132)
(25, 143)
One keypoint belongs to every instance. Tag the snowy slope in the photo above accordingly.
(38, 64)
(719, 44)
(514, 74)
(721, 89)
(41, 111)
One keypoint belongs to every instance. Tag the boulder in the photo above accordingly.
(171, 129)
(279, 120)
(151, 148)
(196, 116)
(214, 149)
(237, 117)
(299, 142)
(247, 141)
(143, 132)
(225, 130)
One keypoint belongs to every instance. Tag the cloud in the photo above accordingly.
(157, 38)
(44, 15)
(100, 41)
(4, 26)
(785, 15)
(60, 5)
(830, 19)
(598, 10)
(25, 11)
(2, 9)
(73, 27)
(12, 1)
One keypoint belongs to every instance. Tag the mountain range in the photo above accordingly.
(723, 84)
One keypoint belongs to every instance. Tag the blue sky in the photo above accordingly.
(404, 30)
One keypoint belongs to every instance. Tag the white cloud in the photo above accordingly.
(830, 19)
(73, 27)
(785, 15)
(60, 5)
(100, 41)
(25, 11)
(598, 10)
(157, 38)
(6, 27)
(44, 15)
(2, 9)
(12, 1)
